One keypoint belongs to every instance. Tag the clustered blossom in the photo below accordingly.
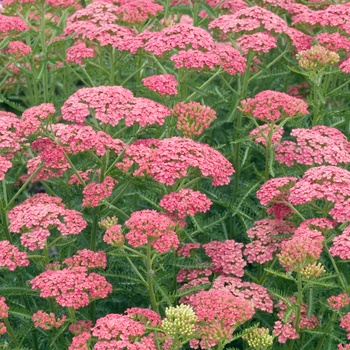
(47, 321)
(94, 193)
(185, 202)
(260, 42)
(271, 105)
(88, 259)
(147, 317)
(3, 308)
(345, 323)
(112, 104)
(164, 84)
(150, 226)
(114, 235)
(80, 327)
(316, 58)
(43, 212)
(285, 329)
(35, 239)
(341, 245)
(333, 41)
(256, 294)
(318, 145)
(17, 49)
(53, 3)
(226, 257)
(185, 250)
(11, 24)
(263, 133)
(71, 287)
(169, 159)
(218, 313)
(78, 52)
(11, 257)
(193, 118)
(338, 301)
(266, 239)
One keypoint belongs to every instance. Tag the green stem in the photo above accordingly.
(343, 284)
(11, 332)
(150, 284)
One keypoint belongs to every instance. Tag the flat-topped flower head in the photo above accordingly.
(193, 118)
(11, 257)
(170, 159)
(316, 58)
(87, 258)
(260, 42)
(259, 338)
(94, 193)
(47, 321)
(333, 41)
(149, 226)
(316, 146)
(78, 52)
(17, 49)
(112, 104)
(10, 25)
(164, 84)
(271, 105)
(341, 245)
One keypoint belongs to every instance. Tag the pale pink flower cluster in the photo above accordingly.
(114, 235)
(193, 118)
(11, 257)
(78, 52)
(44, 212)
(170, 159)
(316, 58)
(47, 321)
(71, 287)
(333, 41)
(79, 342)
(341, 245)
(284, 329)
(345, 65)
(343, 347)
(145, 316)
(256, 294)
(318, 145)
(80, 138)
(11, 24)
(88, 259)
(338, 301)
(164, 84)
(260, 42)
(35, 239)
(226, 257)
(150, 226)
(275, 190)
(85, 176)
(3, 328)
(31, 118)
(53, 3)
(266, 240)
(185, 250)
(112, 104)
(3, 308)
(185, 202)
(262, 134)
(51, 157)
(303, 248)
(345, 323)
(94, 193)
(17, 49)
(271, 105)
(218, 313)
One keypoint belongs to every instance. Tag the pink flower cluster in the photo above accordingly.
(316, 58)
(43, 212)
(112, 104)
(150, 226)
(185, 202)
(71, 287)
(318, 145)
(333, 41)
(226, 257)
(47, 321)
(3, 308)
(88, 259)
(17, 49)
(53, 3)
(341, 245)
(169, 159)
(164, 84)
(345, 323)
(78, 52)
(193, 118)
(338, 301)
(271, 106)
(263, 133)
(266, 240)
(260, 42)
(114, 235)
(219, 313)
(11, 24)
(94, 193)
(11, 257)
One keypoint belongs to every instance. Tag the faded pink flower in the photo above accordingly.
(185, 202)
(226, 257)
(11, 257)
(47, 321)
(112, 104)
(262, 134)
(71, 287)
(164, 84)
(94, 193)
(193, 118)
(150, 226)
(170, 159)
(88, 259)
(273, 105)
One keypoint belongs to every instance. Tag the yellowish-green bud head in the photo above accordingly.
(259, 338)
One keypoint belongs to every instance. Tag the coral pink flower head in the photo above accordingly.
(164, 84)
(11, 257)
(3, 308)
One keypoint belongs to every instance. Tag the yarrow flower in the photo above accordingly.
(169, 159)
(87, 258)
(17, 49)
(47, 321)
(345, 323)
(338, 301)
(150, 226)
(3, 308)
(164, 84)
(80, 327)
(318, 145)
(112, 104)
(341, 245)
(78, 52)
(316, 58)
(94, 193)
(263, 133)
(333, 41)
(273, 105)
(11, 257)
(260, 42)
(11, 24)
(71, 287)
(193, 118)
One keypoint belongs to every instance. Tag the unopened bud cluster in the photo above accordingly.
(312, 270)
(180, 320)
(108, 222)
(259, 338)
